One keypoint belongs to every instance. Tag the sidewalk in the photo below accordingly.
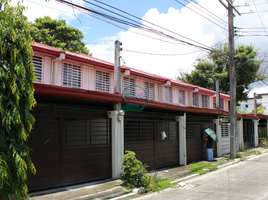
(111, 189)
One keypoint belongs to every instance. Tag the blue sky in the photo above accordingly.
(100, 36)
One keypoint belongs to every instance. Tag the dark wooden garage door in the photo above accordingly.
(248, 133)
(69, 150)
(145, 139)
(195, 143)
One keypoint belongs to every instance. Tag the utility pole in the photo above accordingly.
(233, 127)
(232, 81)
(117, 72)
(255, 104)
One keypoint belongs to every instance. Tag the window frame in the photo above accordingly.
(102, 85)
(68, 71)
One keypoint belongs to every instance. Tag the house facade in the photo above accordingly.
(83, 127)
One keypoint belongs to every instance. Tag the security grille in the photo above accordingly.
(168, 95)
(129, 86)
(150, 90)
(221, 104)
(71, 75)
(102, 81)
(182, 97)
(225, 130)
(204, 101)
(195, 99)
(37, 61)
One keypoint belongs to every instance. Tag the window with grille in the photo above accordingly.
(204, 101)
(168, 95)
(182, 97)
(195, 99)
(129, 86)
(37, 61)
(102, 81)
(150, 90)
(221, 104)
(71, 75)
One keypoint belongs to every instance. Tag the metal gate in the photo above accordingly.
(248, 133)
(69, 150)
(262, 129)
(225, 132)
(195, 143)
(145, 138)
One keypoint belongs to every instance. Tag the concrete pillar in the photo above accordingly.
(256, 135)
(218, 132)
(182, 139)
(240, 135)
(117, 121)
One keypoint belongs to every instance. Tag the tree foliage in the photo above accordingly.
(16, 100)
(260, 110)
(214, 67)
(55, 33)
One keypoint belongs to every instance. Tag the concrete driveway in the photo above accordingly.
(245, 180)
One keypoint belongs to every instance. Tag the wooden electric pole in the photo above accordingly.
(217, 93)
(233, 127)
(255, 105)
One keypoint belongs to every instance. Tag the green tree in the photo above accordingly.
(260, 110)
(55, 33)
(16, 100)
(214, 67)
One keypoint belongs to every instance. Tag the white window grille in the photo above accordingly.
(102, 81)
(204, 101)
(168, 94)
(38, 65)
(128, 87)
(195, 99)
(182, 97)
(150, 90)
(71, 75)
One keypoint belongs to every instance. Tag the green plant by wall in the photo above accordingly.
(134, 171)
(16, 100)
(135, 175)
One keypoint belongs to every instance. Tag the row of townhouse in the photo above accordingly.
(80, 133)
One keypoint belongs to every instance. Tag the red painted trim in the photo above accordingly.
(75, 93)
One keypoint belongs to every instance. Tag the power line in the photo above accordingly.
(132, 23)
(158, 54)
(146, 21)
(208, 11)
(199, 14)
(260, 17)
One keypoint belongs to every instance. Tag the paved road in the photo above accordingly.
(245, 180)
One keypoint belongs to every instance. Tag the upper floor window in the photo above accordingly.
(37, 61)
(128, 86)
(102, 81)
(221, 104)
(182, 97)
(195, 99)
(168, 94)
(71, 75)
(204, 101)
(150, 90)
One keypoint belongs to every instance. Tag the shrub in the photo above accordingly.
(135, 175)
(134, 171)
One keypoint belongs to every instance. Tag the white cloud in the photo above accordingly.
(104, 49)
(40, 8)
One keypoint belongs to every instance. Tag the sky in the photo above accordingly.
(167, 57)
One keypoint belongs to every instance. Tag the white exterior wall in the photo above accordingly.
(56, 72)
(91, 78)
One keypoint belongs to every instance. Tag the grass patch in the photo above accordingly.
(199, 167)
(255, 152)
(157, 184)
(241, 155)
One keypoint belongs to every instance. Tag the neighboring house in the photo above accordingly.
(261, 99)
(81, 134)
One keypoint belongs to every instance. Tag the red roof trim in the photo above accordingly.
(75, 93)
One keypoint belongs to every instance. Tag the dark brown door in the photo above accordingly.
(45, 154)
